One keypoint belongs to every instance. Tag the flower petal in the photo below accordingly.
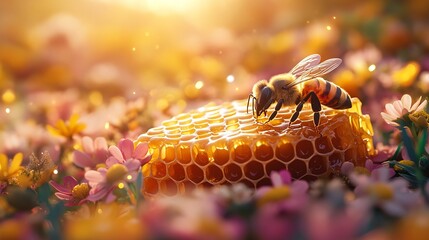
(380, 174)
(127, 148)
(276, 179)
(4, 163)
(421, 106)
(347, 168)
(406, 101)
(416, 104)
(111, 160)
(15, 165)
(398, 107)
(299, 187)
(140, 151)
(96, 194)
(100, 143)
(62, 196)
(87, 144)
(132, 164)
(390, 109)
(94, 177)
(58, 187)
(69, 182)
(82, 160)
(110, 197)
(286, 177)
(393, 208)
(116, 153)
(387, 117)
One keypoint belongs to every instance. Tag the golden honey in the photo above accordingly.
(224, 144)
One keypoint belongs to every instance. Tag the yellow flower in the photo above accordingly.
(10, 170)
(67, 129)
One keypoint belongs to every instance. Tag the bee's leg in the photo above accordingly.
(253, 99)
(253, 105)
(316, 107)
(299, 108)
(248, 101)
(276, 109)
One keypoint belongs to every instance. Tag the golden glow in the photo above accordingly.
(371, 68)
(55, 171)
(107, 125)
(99, 211)
(8, 96)
(129, 177)
(199, 84)
(121, 185)
(164, 6)
(96, 98)
(7, 110)
(328, 28)
(230, 78)
(405, 76)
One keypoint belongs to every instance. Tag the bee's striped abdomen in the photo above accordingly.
(329, 94)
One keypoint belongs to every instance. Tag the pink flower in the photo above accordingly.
(94, 153)
(382, 153)
(399, 108)
(393, 196)
(126, 151)
(280, 206)
(284, 189)
(71, 191)
(105, 180)
(348, 168)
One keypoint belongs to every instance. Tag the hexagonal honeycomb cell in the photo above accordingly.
(223, 144)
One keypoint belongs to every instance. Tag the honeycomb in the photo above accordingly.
(223, 144)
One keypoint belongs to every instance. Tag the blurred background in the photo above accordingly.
(130, 64)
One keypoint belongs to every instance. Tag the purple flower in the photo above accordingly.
(94, 153)
(71, 191)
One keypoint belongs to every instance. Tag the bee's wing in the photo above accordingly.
(317, 71)
(305, 64)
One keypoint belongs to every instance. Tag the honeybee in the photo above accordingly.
(299, 85)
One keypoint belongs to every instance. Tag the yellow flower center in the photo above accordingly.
(381, 190)
(362, 171)
(275, 194)
(100, 165)
(115, 173)
(80, 191)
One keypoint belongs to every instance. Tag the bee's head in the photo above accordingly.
(264, 101)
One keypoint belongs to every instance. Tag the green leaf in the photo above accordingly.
(408, 142)
(422, 142)
(139, 183)
(397, 152)
(55, 213)
(43, 194)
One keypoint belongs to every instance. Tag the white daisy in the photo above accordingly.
(399, 108)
